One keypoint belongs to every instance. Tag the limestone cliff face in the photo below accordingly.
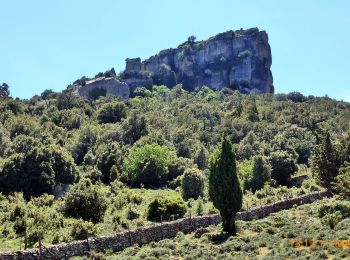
(235, 59)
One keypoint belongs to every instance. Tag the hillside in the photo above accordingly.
(117, 157)
(279, 236)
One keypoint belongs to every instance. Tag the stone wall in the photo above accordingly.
(157, 232)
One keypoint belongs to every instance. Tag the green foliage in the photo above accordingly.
(251, 110)
(82, 229)
(86, 201)
(283, 166)
(111, 112)
(134, 128)
(260, 173)
(108, 156)
(326, 162)
(224, 186)
(166, 208)
(341, 184)
(67, 100)
(4, 91)
(192, 184)
(38, 169)
(84, 140)
(148, 165)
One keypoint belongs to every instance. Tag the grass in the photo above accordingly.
(268, 238)
(121, 202)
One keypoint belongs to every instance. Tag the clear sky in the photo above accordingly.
(49, 44)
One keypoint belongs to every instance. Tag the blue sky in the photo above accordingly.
(48, 44)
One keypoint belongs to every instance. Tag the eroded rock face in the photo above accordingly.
(235, 59)
(103, 86)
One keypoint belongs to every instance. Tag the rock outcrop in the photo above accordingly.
(239, 60)
(235, 59)
(101, 87)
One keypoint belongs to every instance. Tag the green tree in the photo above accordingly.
(165, 208)
(326, 162)
(111, 112)
(341, 184)
(261, 173)
(37, 171)
(192, 184)
(224, 186)
(86, 201)
(283, 166)
(134, 128)
(251, 111)
(4, 91)
(148, 165)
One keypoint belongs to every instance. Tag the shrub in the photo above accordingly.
(192, 184)
(261, 173)
(283, 166)
(85, 201)
(82, 229)
(111, 112)
(147, 165)
(165, 208)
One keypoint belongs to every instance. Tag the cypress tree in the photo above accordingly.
(326, 162)
(224, 187)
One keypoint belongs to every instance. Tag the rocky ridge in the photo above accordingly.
(239, 60)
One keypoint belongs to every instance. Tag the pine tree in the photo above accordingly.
(326, 162)
(224, 187)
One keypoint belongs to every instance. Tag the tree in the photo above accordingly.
(224, 186)
(67, 100)
(251, 111)
(283, 166)
(192, 184)
(341, 185)
(326, 162)
(148, 165)
(86, 201)
(111, 112)
(4, 91)
(261, 173)
(46, 95)
(164, 208)
(134, 128)
(108, 156)
(37, 171)
(85, 139)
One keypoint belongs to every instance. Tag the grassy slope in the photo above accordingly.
(268, 238)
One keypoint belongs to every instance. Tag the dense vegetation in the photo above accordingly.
(129, 154)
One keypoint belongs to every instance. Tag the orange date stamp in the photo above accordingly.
(320, 244)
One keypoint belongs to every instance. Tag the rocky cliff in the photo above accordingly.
(235, 59)
(239, 60)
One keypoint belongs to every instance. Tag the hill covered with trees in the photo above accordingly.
(127, 163)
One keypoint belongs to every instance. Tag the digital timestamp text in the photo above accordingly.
(320, 244)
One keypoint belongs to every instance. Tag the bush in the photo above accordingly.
(283, 166)
(82, 229)
(147, 165)
(111, 112)
(261, 173)
(85, 201)
(164, 208)
(192, 184)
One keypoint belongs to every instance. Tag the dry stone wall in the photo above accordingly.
(157, 232)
